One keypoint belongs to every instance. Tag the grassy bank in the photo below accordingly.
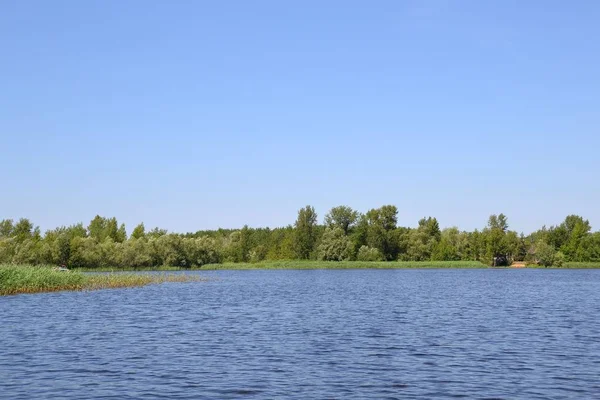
(17, 279)
(590, 265)
(346, 265)
(132, 269)
(303, 264)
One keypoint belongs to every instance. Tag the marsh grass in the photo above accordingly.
(588, 264)
(17, 279)
(309, 264)
(346, 265)
(133, 269)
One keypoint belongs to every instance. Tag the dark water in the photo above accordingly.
(505, 334)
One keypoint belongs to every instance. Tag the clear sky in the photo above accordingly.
(195, 115)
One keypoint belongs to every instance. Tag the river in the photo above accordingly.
(346, 334)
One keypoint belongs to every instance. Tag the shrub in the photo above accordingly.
(366, 253)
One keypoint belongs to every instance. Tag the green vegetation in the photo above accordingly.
(581, 265)
(345, 235)
(302, 264)
(16, 279)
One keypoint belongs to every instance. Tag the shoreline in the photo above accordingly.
(304, 265)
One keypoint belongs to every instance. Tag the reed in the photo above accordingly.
(18, 279)
(582, 265)
(347, 265)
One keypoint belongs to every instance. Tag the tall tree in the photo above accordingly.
(6, 227)
(121, 234)
(501, 244)
(430, 227)
(23, 230)
(97, 228)
(139, 231)
(499, 222)
(335, 245)
(381, 222)
(342, 217)
(306, 234)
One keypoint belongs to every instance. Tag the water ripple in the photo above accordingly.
(481, 334)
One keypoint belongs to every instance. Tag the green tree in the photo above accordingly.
(282, 244)
(452, 246)
(28, 252)
(97, 228)
(498, 222)
(342, 217)
(421, 242)
(545, 254)
(380, 225)
(121, 235)
(112, 230)
(430, 227)
(23, 230)
(577, 230)
(134, 253)
(6, 228)
(306, 234)
(335, 245)
(139, 231)
(499, 243)
(366, 253)
(157, 232)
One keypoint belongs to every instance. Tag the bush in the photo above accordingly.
(335, 246)
(559, 259)
(546, 255)
(366, 253)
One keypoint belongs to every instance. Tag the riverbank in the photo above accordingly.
(309, 264)
(20, 279)
(378, 265)
(346, 265)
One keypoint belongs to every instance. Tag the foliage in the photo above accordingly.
(379, 225)
(335, 245)
(547, 256)
(310, 264)
(15, 279)
(342, 217)
(346, 235)
(366, 253)
(305, 238)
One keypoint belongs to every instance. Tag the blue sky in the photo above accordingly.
(195, 115)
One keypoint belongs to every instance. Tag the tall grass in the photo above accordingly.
(346, 265)
(588, 264)
(132, 269)
(16, 279)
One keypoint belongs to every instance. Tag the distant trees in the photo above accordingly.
(423, 240)
(546, 255)
(139, 231)
(345, 235)
(366, 253)
(342, 217)
(379, 225)
(335, 245)
(102, 228)
(498, 250)
(572, 238)
(306, 232)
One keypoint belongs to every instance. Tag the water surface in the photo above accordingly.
(504, 334)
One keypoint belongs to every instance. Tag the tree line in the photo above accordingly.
(345, 234)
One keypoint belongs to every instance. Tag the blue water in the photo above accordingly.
(349, 334)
